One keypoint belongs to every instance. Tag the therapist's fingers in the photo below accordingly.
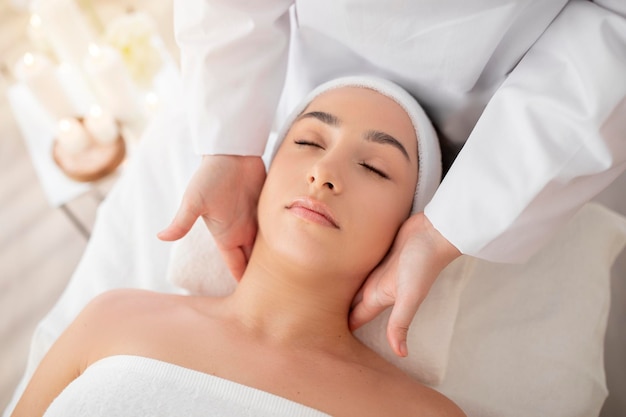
(192, 206)
(224, 190)
(402, 314)
(404, 278)
(387, 287)
(181, 224)
(235, 243)
(423, 254)
(236, 261)
(371, 300)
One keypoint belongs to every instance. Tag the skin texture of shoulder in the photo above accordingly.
(410, 398)
(392, 392)
(137, 322)
(82, 343)
(192, 332)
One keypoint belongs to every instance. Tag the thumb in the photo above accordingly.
(180, 226)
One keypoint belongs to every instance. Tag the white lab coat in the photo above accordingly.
(534, 89)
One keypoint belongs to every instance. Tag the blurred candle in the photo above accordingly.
(112, 83)
(35, 23)
(72, 136)
(36, 35)
(101, 126)
(38, 73)
(65, 29)
(152, 103)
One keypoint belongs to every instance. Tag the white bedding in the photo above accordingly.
(527, 340)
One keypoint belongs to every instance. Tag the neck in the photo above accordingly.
(292, 304)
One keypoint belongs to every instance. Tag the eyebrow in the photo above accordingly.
(329, 119)
(382, 137)
(375, 136)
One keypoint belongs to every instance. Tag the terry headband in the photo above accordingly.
(429, 153)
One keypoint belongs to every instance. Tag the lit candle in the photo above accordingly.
(38, 73)
(152, 103)
(35, 22)
(36, 35)
(101, 126)
(112, 83)
(72, 136)
(65, 28)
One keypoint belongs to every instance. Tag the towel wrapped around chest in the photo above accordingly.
(143, 387)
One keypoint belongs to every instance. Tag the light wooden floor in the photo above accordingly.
(39, 244)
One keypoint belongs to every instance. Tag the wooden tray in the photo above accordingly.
(91, 164)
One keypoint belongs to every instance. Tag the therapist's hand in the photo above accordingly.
(224, 191)
(403, 279)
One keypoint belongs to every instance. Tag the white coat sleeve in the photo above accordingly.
(233, 63)
(551, 137)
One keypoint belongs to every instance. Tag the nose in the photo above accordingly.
(325, 175)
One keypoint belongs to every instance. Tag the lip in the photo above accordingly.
(313, 210)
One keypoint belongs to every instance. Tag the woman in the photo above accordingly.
(342, 182)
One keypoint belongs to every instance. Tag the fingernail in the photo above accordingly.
(403, 349)
(351, 322)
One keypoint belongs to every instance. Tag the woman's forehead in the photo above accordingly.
(367, 109)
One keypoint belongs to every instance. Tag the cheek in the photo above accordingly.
(376, 218)
(282, 185)
(273, 197)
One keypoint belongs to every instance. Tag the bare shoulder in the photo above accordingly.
(411, 398)
(116, 320)
(124, 299)
(127, 304)
(108, 307)
(83, 341)
(132, 303)
(390, 391)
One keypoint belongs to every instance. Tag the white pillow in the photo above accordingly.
(529, 339)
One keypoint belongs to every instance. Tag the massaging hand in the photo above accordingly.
(403, 279)
(224, 191)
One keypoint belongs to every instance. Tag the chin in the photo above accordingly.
(309, 251)
(317, 247)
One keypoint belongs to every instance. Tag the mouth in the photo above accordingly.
(314, 211)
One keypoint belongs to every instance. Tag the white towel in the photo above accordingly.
(142, 387)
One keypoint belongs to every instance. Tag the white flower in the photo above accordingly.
(132, 35)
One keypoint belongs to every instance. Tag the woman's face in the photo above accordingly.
(341, 183)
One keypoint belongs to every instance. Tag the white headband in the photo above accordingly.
(429, 153)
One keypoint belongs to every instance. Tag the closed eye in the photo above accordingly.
(303, 142)
(374, 170)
